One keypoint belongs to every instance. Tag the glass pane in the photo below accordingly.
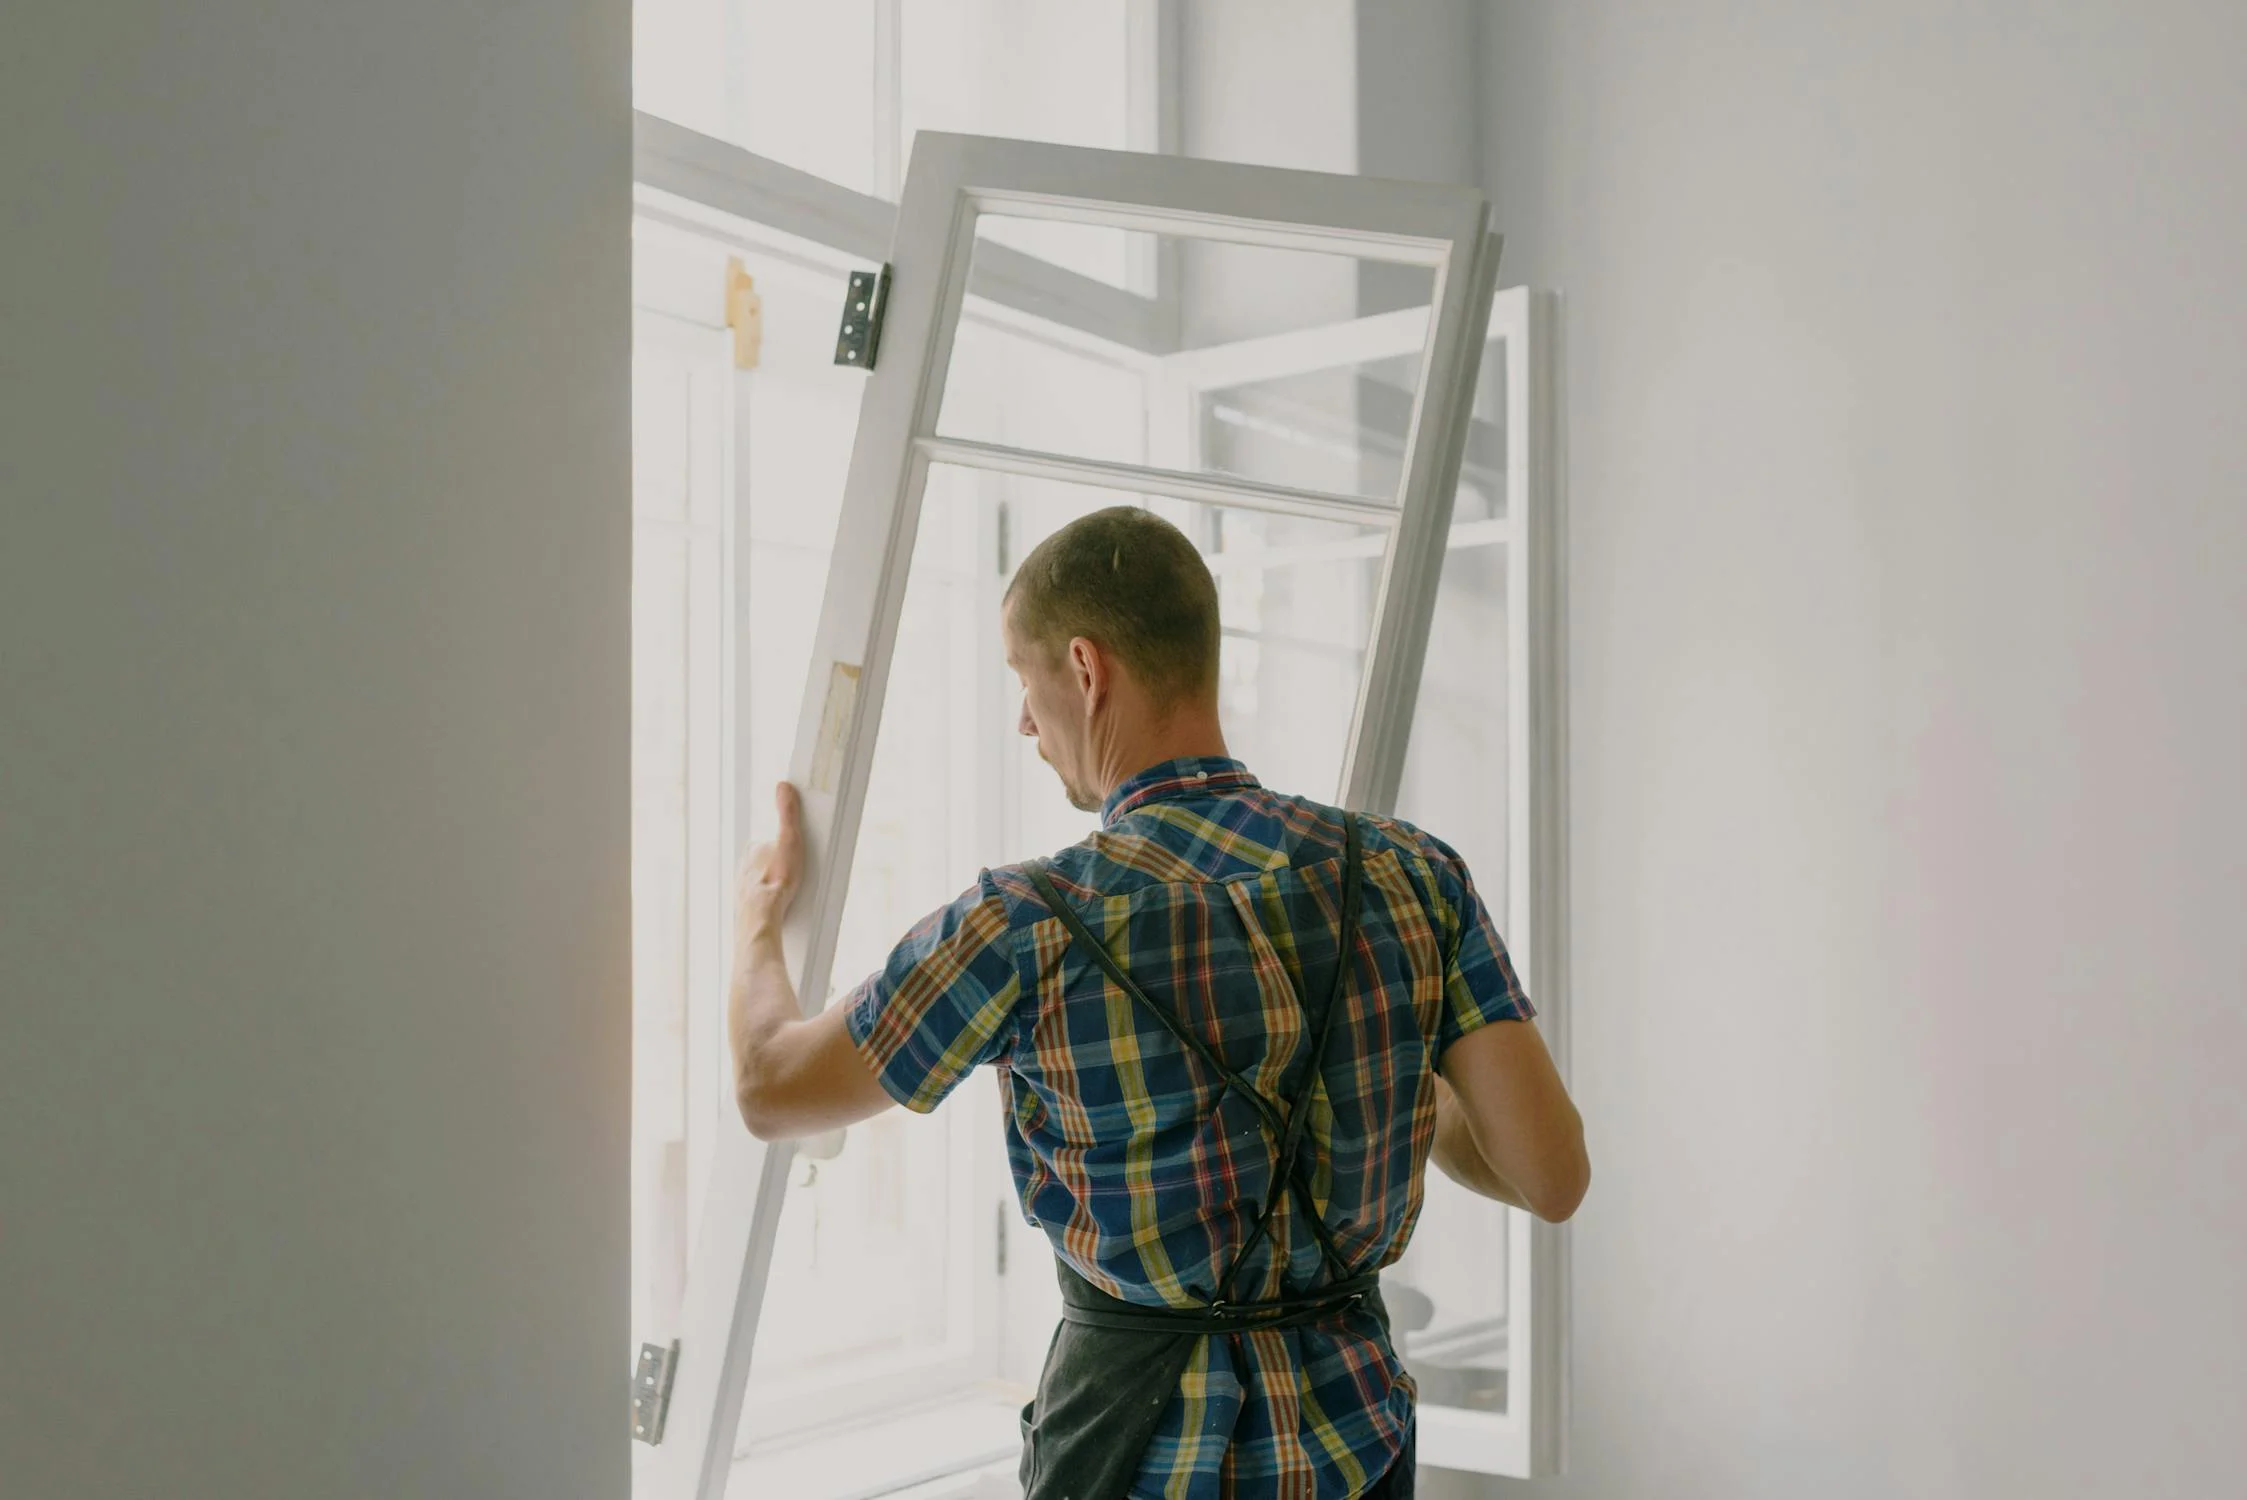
(1295, 598)
(1447, 1299)
(1334, 430)
(858, 1268)
(1009, 388)
(1456, 777)
(1448, 1294)
(1033, 70)
(1339, 430)
(1384, 422)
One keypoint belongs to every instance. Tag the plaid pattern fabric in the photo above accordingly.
(1220, 898)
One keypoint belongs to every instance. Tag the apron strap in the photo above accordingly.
(1288, 1166)
(1083, 939)
(1288, 1132)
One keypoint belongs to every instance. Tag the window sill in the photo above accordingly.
(964, 1448)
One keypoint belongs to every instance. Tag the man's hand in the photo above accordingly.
(791, 1077)
(770, 874)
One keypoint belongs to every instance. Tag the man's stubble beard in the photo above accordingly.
(1081, 801)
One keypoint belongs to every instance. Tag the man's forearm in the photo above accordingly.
(1461, 1159)
(762, 1002)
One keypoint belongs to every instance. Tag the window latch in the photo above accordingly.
(651, 1391)
(863, 306)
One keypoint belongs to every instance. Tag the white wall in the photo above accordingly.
(313, 780)
(1269, 83)
(1910, 527)
(1273, 95)
(1418, 115)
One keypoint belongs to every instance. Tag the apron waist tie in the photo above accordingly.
(1089, 1305)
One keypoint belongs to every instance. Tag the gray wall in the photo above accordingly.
(1907, 358)
(1419, 101)
(313, 697)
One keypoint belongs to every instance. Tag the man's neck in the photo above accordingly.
(1195, 738)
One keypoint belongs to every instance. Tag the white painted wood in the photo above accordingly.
(858, 620)
(675, 1023)
(1323, 213)
(669, 158)
(1529, 1439)
(724, 1279)
(951, 178)
(1389, 688)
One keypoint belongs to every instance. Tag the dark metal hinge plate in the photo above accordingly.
(651, 1391)
(863, 306)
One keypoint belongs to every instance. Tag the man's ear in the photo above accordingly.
(1089, 665)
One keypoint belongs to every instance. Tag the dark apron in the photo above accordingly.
(1114, 1365)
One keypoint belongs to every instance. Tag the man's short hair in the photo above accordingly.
(1129, 581)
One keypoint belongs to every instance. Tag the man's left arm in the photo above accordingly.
(792, 1076)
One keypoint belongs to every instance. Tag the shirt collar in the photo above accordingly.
(1190, 776)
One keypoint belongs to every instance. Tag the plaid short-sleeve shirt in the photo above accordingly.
(1220, 898)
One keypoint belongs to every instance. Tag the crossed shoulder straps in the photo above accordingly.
(1287, 1130)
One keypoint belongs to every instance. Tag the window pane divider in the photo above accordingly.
(1207, 228)
(1241, 494)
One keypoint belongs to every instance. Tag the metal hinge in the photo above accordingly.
(1001, 1207)
(651, 1391)
(863, 306)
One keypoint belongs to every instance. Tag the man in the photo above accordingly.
(1231, 1028)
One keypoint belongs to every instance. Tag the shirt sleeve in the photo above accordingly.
(1480, 985)
(943, 1003)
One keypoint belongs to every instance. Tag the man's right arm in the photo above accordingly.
(1460, 1158)
(1505, 1126)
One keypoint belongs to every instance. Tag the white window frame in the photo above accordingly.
(744, 209)
(679, 315)
(701, 352)
(954, 178)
